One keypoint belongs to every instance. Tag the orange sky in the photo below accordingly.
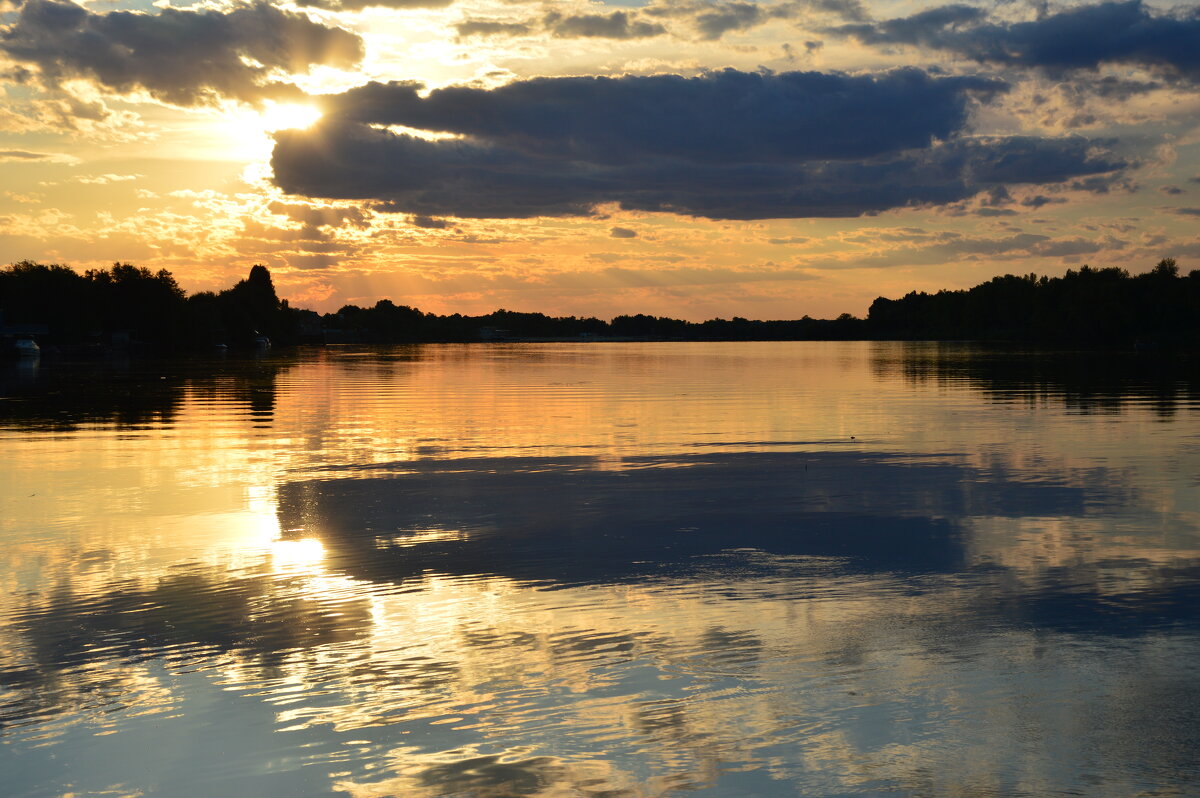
(822, 179)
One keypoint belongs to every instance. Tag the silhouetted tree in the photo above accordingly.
(1085, 307)
(33, 293)
(149, 305)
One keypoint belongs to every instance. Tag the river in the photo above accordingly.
(601, 569)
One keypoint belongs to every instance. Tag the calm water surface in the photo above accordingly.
(827, 569)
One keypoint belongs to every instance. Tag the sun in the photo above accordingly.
(285, 116)
(248, 134)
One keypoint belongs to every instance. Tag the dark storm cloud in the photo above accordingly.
(474, 179)
(178, 56)
(1085, 37)
(724, 117)
(727, 144)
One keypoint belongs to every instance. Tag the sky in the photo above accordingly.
(685, 158)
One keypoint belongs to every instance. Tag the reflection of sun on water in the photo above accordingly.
(297, 555)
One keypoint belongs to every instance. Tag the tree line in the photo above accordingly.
(1100, 307)
(142, 306)
(1088, 306)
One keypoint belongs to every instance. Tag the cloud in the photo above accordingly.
(722, 18)
(712, 20)
(727, 144)
(1040, 200)
(321, 216)
(105, 179)
(1081, 38)
(464, 179)
(688, 18)
(725, 115)
(622, 232)
(929, 27)
(181, 57)
(311, 261)
(25, 156)
(308, 234)
(616, 25)
(646, 272)
(695, 275)
(1104, 184)
(429, 223)
(947, 247)
(492, 27)
(359, 5)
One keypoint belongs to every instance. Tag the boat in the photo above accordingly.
(26, 347)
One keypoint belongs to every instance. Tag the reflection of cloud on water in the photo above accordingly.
(829, 680)
(62, 654)
(870, 511)
(469, 773)
(831, 622)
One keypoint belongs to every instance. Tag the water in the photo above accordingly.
(827, 569)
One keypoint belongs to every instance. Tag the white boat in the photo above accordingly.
(26, 347)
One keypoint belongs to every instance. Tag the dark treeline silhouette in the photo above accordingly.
(1089, 307)
(128, 303)
(386, 322)
(1100, 307)
(131, 304)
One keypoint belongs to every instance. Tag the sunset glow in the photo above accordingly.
(627, 398)
(289, 117)
(766, 160)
